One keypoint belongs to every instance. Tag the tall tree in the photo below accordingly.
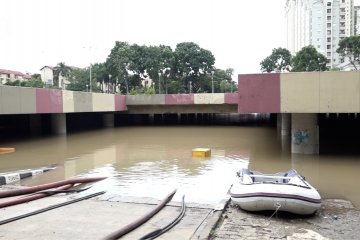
(349, 47)
(118, 63)
(190, 62)
(308, 59)
(35, 82)
(278, 61)
(101, 76)
(79, 80)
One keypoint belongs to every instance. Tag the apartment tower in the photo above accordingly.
(321, 23)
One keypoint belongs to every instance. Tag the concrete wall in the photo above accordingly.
(304, 92)
(120, 103)
(103, 102)
(20, 100)
(299, 92)
(15, 100)
(314, 92)
(339, 92)
(158, 99)
(259, 93)
(68, 101)
(179, 99)
(49, 100)
(209, 98)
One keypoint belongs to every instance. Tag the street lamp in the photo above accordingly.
(109, 82)
(116, 84)
(212, 81)
(90, 56)
(90, 79)
(159, 81)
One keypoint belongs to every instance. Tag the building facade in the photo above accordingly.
(321, 23)
(47, 75)
(11, 76)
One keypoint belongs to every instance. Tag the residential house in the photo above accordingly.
(11, 76)
(48, 73)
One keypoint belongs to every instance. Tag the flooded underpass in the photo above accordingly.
(141, 161)
(150, 161)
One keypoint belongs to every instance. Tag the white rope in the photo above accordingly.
(278, 206)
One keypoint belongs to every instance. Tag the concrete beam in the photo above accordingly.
(58, 123)
(304, 133)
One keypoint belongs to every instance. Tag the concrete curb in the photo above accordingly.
(17, 176)
(211, 221)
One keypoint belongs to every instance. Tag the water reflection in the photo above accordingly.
(151, 161)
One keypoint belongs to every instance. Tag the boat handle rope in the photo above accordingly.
(278, 206)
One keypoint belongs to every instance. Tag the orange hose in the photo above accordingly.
(27, 190)
(32, 197)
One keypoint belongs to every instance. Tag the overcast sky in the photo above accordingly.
(239, 33)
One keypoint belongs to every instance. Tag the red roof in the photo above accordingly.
(4, 71)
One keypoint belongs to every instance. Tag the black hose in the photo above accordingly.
(50, 208)
(131, 226)
(156, 233)
(54, 191)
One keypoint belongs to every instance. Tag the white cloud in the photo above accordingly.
(36, 33)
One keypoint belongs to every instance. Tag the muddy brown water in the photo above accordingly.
(151, 161)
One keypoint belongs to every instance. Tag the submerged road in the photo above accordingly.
(98, 217)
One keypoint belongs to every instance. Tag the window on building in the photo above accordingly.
(328, 17)
(342, 31)
(329, 3)
(328, 24)
(329, 54)
(328, 39)
(328, 60)
(328, 46)
(328, 32)
(328, 11)
(342, 10)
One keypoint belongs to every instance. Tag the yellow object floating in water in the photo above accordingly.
(6, 150)
(201, 152)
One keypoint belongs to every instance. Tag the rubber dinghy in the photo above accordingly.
(283, 191)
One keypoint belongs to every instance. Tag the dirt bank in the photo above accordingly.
(337, 219)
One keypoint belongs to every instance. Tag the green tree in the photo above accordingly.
(79, 81)
(100, 76)
(349, 47)
(118, 63)
(34, 82)
(278, 61)
(190, 64)
(308, 59)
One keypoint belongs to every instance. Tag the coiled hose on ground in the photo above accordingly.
(158, 232)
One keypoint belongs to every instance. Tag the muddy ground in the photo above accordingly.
(337, 219)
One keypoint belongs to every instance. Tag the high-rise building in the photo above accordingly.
(357, 20)
(321, 23)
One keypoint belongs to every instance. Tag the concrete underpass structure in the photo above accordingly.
(296, 98)
(299, 98)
